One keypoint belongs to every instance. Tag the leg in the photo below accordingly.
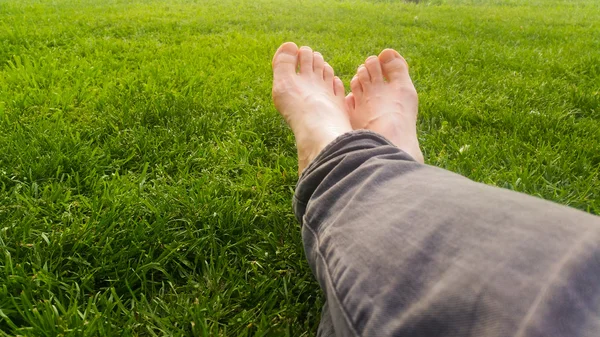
(404, 249)
(401, 248)
(326, 325)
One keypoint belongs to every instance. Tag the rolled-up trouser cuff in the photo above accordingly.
(340, 158)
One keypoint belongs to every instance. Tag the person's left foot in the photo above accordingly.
(311, 100)
(384, 100)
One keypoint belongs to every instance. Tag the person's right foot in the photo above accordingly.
(384, 100)
(310, 99)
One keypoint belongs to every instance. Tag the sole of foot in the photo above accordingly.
(384, 100)
(310, 98)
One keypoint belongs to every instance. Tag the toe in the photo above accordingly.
(328, 73)
(305, 57)
(350, 102)
(374, 67)
(393, 66)
(338, 87)
(285, 60)
(363, 76)
(356, 87)
(318, 64)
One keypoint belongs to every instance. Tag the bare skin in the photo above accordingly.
(384, 100)
(310, 100)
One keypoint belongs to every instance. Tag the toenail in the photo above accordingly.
(390, 59)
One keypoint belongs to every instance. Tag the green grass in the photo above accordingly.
(146, 179)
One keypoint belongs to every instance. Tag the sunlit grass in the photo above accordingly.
(146, 179)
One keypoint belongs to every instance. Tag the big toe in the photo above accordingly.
(285, 60)
(393, 65)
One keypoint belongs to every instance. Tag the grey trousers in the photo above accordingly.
(405, 249)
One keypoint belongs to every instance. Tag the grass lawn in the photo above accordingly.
(146, 178)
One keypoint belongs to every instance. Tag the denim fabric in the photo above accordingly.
(405, 249)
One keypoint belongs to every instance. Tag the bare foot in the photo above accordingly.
(384, 100)
(311, 100)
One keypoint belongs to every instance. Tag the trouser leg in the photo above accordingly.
(405, 249)
(326, 328)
